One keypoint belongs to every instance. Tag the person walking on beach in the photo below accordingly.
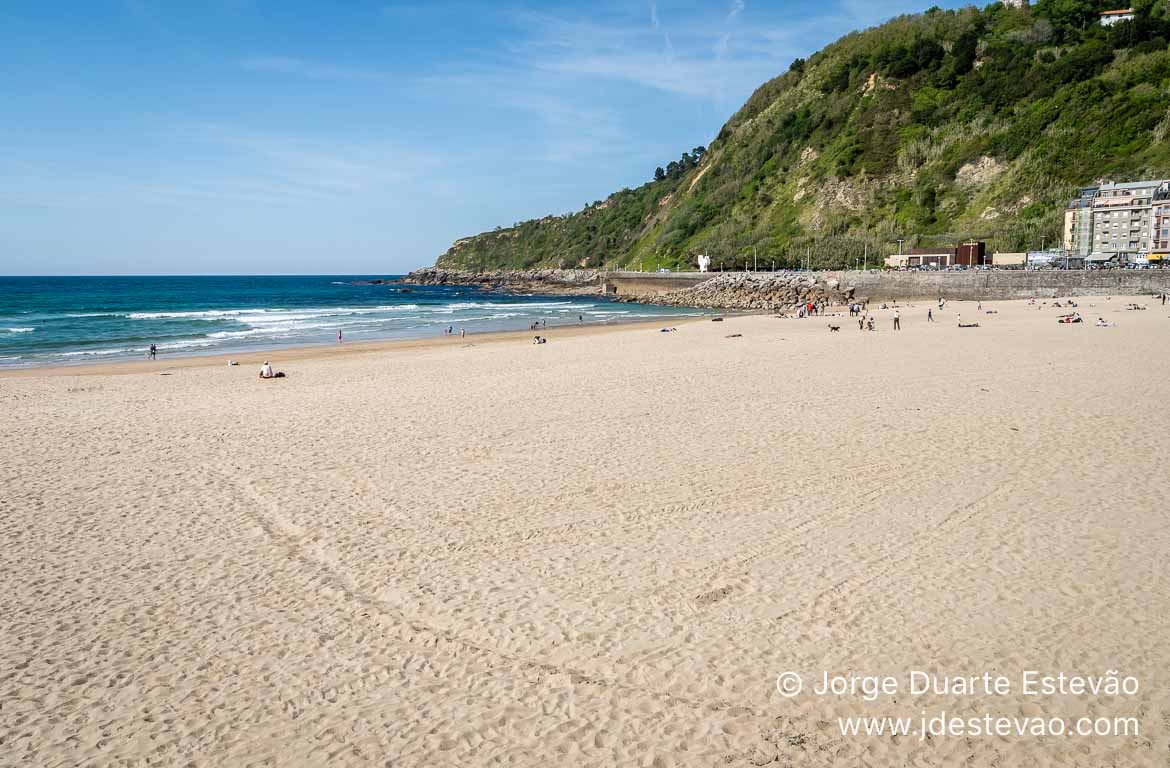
(153, 354)
(463, 333)
(897, 321)
(929, 315)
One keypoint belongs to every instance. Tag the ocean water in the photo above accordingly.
(68, 320)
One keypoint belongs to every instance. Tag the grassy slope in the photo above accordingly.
(936, 127)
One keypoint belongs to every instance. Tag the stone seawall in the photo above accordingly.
(768, 290)
(1003, 284)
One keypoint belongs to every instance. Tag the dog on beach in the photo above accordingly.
(834, 328)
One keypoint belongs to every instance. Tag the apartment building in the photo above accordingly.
(1078, 224)
(1160, 245)
(1118, 222)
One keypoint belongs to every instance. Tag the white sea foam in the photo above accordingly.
(81, 352)
(262, 315)
(181, 315)
(20, 330)
(234, 334)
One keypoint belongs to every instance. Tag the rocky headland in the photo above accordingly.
(573, 282)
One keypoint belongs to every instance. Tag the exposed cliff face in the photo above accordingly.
(948, 125)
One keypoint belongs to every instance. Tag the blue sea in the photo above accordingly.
(69, 320)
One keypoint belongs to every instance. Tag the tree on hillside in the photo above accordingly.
(659, 174)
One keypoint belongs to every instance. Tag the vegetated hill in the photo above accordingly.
(934, 128)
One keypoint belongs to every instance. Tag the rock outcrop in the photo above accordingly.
(753, 291)
(553, 281)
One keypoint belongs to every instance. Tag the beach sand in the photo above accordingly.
(598, 551)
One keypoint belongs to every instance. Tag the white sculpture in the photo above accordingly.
(704, 262)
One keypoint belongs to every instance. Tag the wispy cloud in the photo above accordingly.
(697, 60)
(721, 47)
(215, 162)
(657, 26)
(283, 65)
(305, 167)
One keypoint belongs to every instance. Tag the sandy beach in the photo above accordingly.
(599, 551)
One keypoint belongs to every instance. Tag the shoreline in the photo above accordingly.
(275, 355)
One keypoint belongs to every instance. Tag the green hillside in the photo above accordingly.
(933, 128)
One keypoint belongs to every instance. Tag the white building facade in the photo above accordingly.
(1109, 18)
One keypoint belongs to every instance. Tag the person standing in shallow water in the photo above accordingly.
(153, 354)
(338, 335)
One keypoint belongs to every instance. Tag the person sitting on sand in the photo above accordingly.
(266, 371)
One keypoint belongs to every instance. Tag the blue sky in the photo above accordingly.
(257, 136)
